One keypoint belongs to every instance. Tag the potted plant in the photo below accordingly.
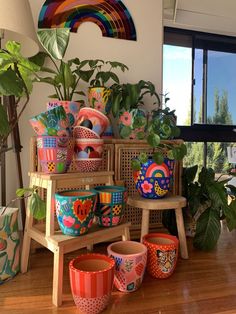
(127, 101)
(210, 200)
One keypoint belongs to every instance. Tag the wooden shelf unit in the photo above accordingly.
(50, 237)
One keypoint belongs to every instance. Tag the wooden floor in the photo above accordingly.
(204, 284)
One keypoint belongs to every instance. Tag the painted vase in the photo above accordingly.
(55, 153)
(110, 205)
(91, 281)
(133, 124)
(71, 108)
(88, 148)
(9, 244)
(154, 181)
(53, 122)
(75, 210)
(98, 98)
(162, 254)
(131, 259)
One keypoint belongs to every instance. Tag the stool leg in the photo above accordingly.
(181, 233)
(126, 234)
(145, 223)
(57, 276)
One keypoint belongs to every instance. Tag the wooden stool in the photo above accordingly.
(168, 202)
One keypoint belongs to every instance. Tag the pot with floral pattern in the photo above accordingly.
(130, 258)
(99, 99)
(152, 180)
(162, 254)
(91, 281)
(75, 210)
(110, 205)
(133, 124)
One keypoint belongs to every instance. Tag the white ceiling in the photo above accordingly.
(217, 16)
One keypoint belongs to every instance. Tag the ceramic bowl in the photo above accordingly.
(88, 148)
(75, 210)
(80, 132)
(55, 153)
(88, 165)
(71, 108)
(53, 122)
(93, 120)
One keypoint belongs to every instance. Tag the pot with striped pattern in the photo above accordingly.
(91, 281)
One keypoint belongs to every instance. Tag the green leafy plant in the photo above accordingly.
(17, 74)
(63, 76)
(36, 204)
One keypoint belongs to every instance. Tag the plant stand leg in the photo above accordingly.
(126, 234)
(181, 233)
(145, 223)
(57, 276)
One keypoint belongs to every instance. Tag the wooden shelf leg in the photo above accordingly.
(181, 233)
(145, 223)
(126, 234)
(58, 276)
(90, 247)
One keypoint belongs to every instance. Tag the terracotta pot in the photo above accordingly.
(98, 98)
(71, 108)
(93, 120)
(130, 258)
(55, 153)
(91, 281)
(110, 205)
(75, 210)
(162, 254)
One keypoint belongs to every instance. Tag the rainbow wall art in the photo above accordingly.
(112, 16)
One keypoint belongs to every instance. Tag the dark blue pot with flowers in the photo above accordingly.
(153, 180)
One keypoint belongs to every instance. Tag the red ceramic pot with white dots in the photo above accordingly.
(162, 254)
(91, 281)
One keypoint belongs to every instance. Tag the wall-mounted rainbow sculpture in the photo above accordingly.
(112, 16)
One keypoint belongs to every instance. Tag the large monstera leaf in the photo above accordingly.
(208, 230)
(54, 41)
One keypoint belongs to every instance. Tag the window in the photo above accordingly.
(199, 75)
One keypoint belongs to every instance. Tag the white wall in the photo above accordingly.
(143, 57)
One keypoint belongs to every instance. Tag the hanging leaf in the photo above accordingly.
(136, 164)
(153, 140)
(158, 158)
(37, 206)
(10, 84)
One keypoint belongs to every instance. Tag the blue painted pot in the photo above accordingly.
(153, 181)
(75, 210)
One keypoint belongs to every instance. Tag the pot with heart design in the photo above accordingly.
(75, 210)
(131, 259)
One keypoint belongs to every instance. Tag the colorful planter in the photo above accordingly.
(83, 132)
(55, 153)
(91, 281)
(93, 120)
(88, 165)
(162, 254)
(9, 244)
(110, 205)
(71, 108)
(88, 148)
(153, 181)
(130, 258)
(98, 98)
(75, 210)
(53, 122)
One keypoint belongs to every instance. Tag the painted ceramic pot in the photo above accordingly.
(88, 165)
(85, 133)
(88, 148)
(153, 181)
(93, 120)
(162, 254)
(55, 153)
(75, 210)
(9, 244)
(133, 124)
(53, 122)
(91, 281)
(98, 98)
(110, 205)
(71, 108)
(131, 259)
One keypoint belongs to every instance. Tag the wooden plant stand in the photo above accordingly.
(54, 240)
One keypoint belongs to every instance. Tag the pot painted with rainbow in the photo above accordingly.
(91, 281)
(75, 210)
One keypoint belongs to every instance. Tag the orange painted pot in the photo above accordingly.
(162, 254)
(91, 281)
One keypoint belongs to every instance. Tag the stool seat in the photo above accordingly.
(170, 201)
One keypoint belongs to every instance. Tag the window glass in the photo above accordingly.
(198, 86)
(195, 155)
(217, 157)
